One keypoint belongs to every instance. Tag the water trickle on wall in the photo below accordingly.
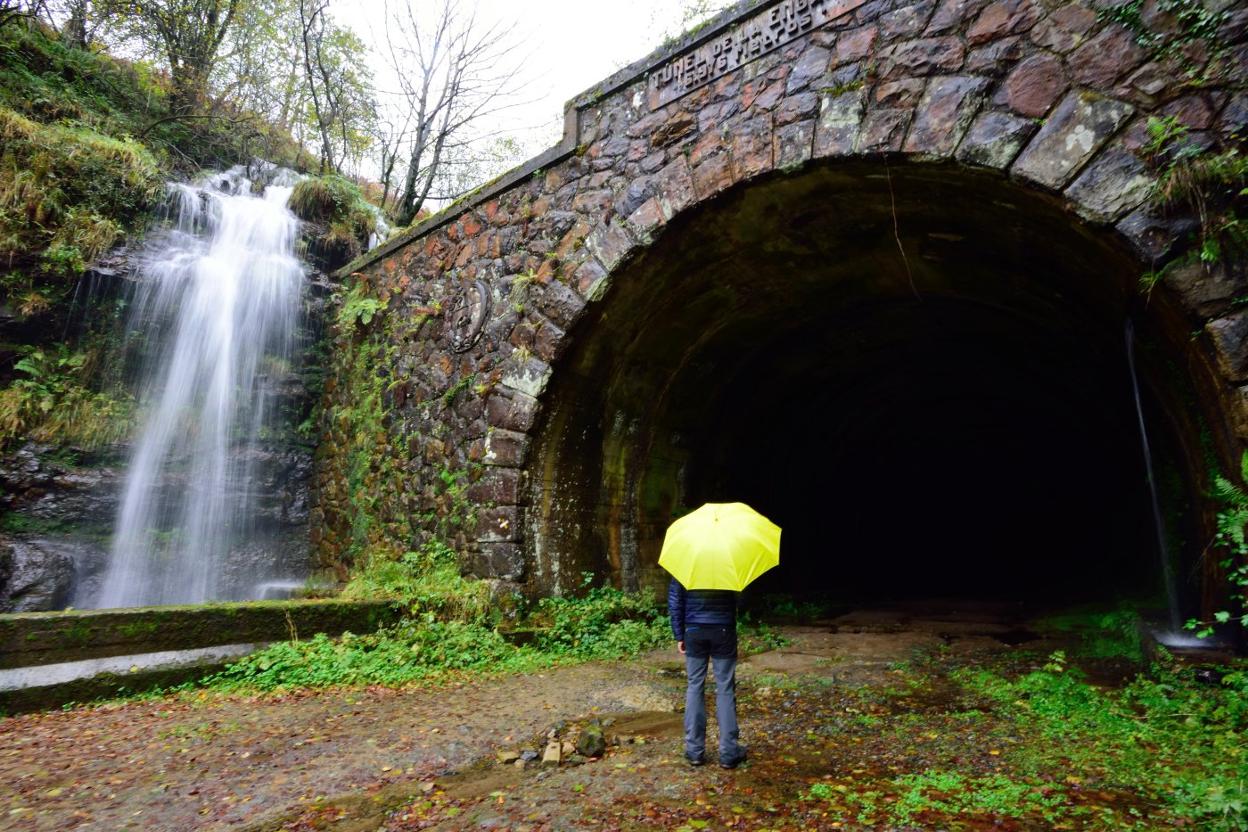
(219, 299)
(1167, 567)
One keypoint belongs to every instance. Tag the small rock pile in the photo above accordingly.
(568, 745)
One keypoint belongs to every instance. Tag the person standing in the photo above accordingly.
(704, 622)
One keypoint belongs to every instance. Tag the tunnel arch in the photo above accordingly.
(1012, 136)
(879, 326)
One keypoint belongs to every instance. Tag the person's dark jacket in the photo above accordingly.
(700, 608)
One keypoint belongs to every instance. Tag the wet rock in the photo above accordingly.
(553, 754)
(34, 578)
(508, 756)
(592, 742)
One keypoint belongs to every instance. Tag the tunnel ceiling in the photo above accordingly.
(776, 347)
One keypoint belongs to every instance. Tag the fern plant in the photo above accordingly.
(1232, 539)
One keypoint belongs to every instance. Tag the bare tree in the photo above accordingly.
(453, 72)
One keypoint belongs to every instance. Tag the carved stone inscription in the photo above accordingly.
(753, 37)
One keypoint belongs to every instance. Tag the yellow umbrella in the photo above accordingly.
(720, 546)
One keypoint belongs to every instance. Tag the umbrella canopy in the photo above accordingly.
(720, 546)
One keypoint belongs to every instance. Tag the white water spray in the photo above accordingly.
(220, 293)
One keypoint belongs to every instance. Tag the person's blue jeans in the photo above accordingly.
(718, 646)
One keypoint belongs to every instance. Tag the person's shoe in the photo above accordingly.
(696, 760)
(733, 762)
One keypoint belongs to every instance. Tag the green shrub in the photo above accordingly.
(415, 650)
(603, 623)
(426, 581)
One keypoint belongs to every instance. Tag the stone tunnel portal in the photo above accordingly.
(920, 372)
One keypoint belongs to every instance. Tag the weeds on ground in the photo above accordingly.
(1176, 741)
(452, 626)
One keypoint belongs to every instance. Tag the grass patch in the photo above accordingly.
(1174, 740)
(453, 626)
(343, 217)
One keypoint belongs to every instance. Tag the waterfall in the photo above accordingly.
(218, 301)
(1167, 569)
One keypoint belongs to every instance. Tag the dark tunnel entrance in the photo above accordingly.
(957, 422)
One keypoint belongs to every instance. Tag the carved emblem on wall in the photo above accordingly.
(467, 314)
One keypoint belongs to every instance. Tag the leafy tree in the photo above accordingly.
(188, 34)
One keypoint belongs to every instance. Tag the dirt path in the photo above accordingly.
(380, 758)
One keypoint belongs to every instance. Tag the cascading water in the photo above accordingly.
(1167, 569)
(220, 294)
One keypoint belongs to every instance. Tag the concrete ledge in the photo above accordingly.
(33, 639)
(50, 686)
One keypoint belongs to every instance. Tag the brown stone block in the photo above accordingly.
(1152, 234)
(558, 302)
(906, 22)
(590, 280)
(1196, 111)
(499, 524)
(648, 218)
(1065, 28)
(674, 186)
(499, 486)
(548, 341)
(794, 144)
(680, 125)
(592, 202)
(798, 107)
(945, 113)
(516, 412)
(505, 448)
(712, 175)
(1034, 85)
(812, 63)
(1205, 290)
(925, 56)
(1229, 335)
(502, 561)
(883, 131)
(1001, 19)
(1114, 183)
(1105, 58)
(752, 148)
(951, 14)
(855, 44)
(903, 93)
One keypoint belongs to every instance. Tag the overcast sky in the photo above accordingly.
(569, 45)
